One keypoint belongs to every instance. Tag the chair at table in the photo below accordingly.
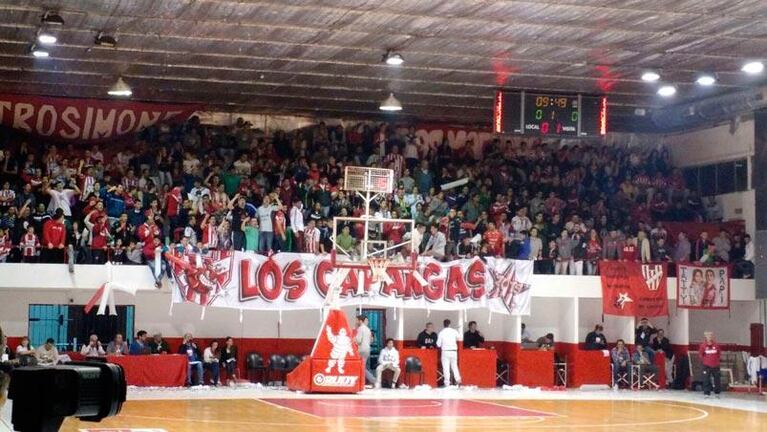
(254, 363)
(560, 373)
(621, 379)
(413, 366)
(291, 362)
(643, 378)
(502, 373)
(279, 366)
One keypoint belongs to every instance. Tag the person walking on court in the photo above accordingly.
(447, 340)
(363, 339)
(710, 355)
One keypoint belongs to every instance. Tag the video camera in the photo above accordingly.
(43, 396)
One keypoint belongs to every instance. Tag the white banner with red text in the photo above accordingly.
(291, 281)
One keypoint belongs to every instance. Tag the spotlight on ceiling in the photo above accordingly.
(753, 68)
(120, 88)
(52, 18)
(667, 91)
(650, 76)
(46, 38)
(390, 104)
(39, 52)
(105, 40)
(706, 80)
(393, 59)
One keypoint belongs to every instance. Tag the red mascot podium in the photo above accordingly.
(334, 366)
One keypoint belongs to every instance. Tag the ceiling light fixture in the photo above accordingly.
(52, 18)
(46, 38)
(393, 59)
(753, 68)
(105, 40)
(120, 88)
(650, 76)
(706, 80)
(390, 104)
(39, 52)
(667, 91)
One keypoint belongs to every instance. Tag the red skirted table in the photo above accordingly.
(429, 361)
(153, 370)
(589, 367)
(533, 368)
(478, 367)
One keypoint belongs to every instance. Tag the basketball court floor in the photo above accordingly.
(253, 408)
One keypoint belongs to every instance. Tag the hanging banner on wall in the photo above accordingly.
(87, 120)
(702, 287)
(290, 281)
(634, 289)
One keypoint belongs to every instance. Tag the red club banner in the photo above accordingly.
(634, 289)
(86, 120)
(702, 287)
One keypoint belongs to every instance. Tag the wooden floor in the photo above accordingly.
(343, 415)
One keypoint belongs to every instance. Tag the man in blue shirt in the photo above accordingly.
(189, 348)
(139, 346)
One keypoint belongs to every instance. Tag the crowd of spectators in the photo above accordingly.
(194, 187)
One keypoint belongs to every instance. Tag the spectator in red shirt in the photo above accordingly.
(494, 239)
(710, 353)
(54, 238)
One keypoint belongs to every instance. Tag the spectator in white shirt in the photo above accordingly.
(93, 348)
(388, 358)
(447, 341)
(296, 217)
(435, 247)
(25, 353)
(210, 362)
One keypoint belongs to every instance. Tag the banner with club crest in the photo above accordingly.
(634, 289)
(291, 281)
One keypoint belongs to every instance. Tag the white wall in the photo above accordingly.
(710, 145)
(729, 326)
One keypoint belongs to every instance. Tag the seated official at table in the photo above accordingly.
(25, 353)
(189, 348)
(526, 336)
(473, 339)
(643, 357)
(596, 340)
(139, 345)
(427, 339)
(546, 343)
(229, 359)
(48, 355)
(118, 346)
(210, 361)
(388, 358)
(620, 359)
(93, 348)
(158, 345)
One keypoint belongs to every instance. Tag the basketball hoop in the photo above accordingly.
(378, 267)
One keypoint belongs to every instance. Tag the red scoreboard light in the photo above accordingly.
(564, 115)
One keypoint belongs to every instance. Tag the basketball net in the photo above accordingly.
(378, 268)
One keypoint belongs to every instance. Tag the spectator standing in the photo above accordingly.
(54, 238)
(596, 339)
(710, 354)
(661, 343)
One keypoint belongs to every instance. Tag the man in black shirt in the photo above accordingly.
(643, 335)
(427, 339)
(661, 343)
(473, 338)
(596, 339)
